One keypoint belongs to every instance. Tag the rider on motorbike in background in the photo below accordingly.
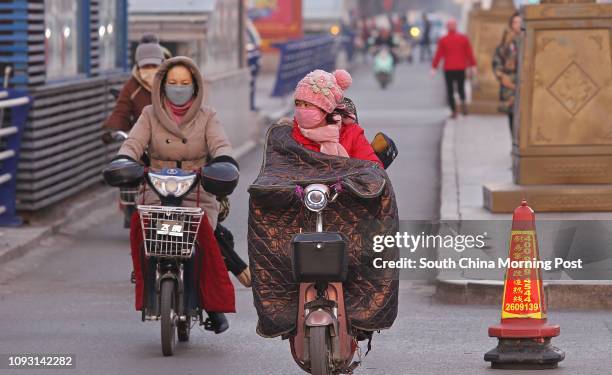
(386, 39)
(136, 93)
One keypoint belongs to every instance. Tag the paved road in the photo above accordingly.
(73, 294)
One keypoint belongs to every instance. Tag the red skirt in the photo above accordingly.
(216, 291)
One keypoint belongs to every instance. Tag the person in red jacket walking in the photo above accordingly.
(456, 50)
(317, 124)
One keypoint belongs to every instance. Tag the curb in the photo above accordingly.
(449, 189)
(22, 248)
(72, 213)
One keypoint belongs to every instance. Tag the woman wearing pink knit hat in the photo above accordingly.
(317, 124)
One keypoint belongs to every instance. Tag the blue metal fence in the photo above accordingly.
(14, 40)
(10, 140)
(300, 57)
(60, 149)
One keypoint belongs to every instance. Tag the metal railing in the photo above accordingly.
(18, 104)
(62, 152)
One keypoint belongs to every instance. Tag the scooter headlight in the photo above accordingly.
(172, 186)
(176, 186)
(316, 197)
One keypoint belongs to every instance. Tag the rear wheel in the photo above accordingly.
(319, 348)
(168, 326)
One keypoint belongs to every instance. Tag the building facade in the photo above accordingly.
(66, 55)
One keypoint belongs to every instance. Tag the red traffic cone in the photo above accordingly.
(524, 335)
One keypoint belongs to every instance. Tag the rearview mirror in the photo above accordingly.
(385, 149)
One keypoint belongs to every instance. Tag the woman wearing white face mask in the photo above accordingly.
(136, 93)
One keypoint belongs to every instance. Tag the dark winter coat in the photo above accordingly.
(134, 96)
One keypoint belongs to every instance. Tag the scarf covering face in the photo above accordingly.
(328, 136)
(148, 75)
(147, 85)
(178, 111)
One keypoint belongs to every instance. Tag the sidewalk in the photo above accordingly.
(14, 242)
(476, 150)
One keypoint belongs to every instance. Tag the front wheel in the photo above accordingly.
(168, 337)
(318, 346)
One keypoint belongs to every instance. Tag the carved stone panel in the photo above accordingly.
(564, 102)
(571, 88)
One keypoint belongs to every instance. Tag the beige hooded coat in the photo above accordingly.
(196, 140)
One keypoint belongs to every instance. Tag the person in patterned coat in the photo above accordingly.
(505, 67)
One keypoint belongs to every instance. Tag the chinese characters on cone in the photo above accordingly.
(523, 334)
(523, 296)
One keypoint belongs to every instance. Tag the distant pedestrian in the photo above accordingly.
(425, 43)
(505, 67)
(456, 51)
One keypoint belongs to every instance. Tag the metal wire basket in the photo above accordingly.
(169, 232)
(127, 196)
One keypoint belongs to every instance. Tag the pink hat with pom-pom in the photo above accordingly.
(323, 89)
